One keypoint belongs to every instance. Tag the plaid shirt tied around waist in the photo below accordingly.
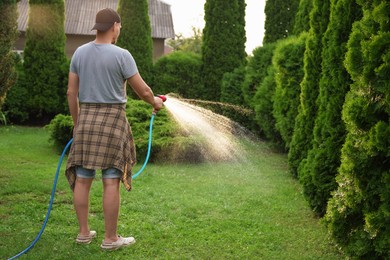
(103, 139)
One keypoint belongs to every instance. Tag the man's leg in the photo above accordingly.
(81, 203)
(111, 201)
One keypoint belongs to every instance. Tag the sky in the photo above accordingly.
(190, 13)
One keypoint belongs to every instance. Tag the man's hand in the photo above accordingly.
(158, 104)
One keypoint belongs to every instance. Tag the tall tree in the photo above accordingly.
(8, 33)
(319, 170)
(44, 58)
(279, 22)
(223, 47)
(358, 213)
(288, 63)
(302, 17)
(136, 35)
(303, 130)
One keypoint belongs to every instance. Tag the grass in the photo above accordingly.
(204, 211)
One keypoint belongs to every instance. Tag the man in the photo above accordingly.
(102, 136)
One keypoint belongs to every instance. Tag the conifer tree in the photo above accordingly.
(44, 58)
(358, 213)
(302, 17)
(288, 63)
(223, 46)
(256, 71)
(8, 32)
(303, 130)
(136, 35)
(320, 169)
(279, 22)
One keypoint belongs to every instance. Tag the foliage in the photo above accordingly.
(136, 34)
(358, 213)
(320, 168)
(279, 22)
(178, 72)
(288, 64)
(264, 107)
(164, 129)
(303, 130)
(61, 130)
(223, 47)
(8, 34)
(256, 71)
(192, 44)
(302, 17)
(231, 94)
(15, 104)
(44, 59)
(231, 86)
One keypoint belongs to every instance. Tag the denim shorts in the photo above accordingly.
(110, 173)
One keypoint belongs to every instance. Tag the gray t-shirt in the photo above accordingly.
(102, 70)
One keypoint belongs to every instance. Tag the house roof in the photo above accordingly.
(80, 16)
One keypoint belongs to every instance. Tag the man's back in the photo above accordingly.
(102, 70)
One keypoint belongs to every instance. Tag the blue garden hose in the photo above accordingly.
(56, 180)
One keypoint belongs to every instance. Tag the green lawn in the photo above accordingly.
(253, 210)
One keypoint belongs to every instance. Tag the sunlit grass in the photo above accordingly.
(204, 211)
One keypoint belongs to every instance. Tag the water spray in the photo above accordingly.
(163, 98)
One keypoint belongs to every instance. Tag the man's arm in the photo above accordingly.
(144, 92)
(73, 93)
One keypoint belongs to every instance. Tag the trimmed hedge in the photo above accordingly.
(321, 166)
(178, 72)
(358, 215)
(288, 64)
(307, 111)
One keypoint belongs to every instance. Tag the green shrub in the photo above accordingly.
(302, 137)
(61, 130)
(288, 63)
(223, 46)
(168, 141)
(15, 105)
(178, 72)
(264, 107)
(44, 58)
(256, 71)
(319, 170)
(8, 31)
(136, 35)
(358, 214)
(231, 94)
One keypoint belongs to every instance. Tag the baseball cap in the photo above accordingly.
(105, 19)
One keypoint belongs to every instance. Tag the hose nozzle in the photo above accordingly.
(163, 98)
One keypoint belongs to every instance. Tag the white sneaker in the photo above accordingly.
(121, 242)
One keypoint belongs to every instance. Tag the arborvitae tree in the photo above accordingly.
(264, 106)
(302, 17)
(288, 63)
(231, 87)
(136, 35)
(358, 213)
(44, 59)
(303, 131)
(8, 32)
(279, 22)
(256, 71)
(319, 170)
(223, 47)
